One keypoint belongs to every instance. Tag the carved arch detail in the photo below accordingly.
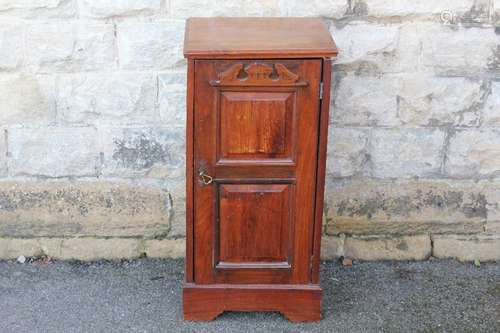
(258, 74)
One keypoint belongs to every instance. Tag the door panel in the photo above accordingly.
(248, 234)
(256, 125)
(255, 131)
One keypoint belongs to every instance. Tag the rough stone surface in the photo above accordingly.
(177, 190)
(467, 248)
(3, 153)
(152, 152)
(381, 8)
(324, 8)
(11, 36)
(491, 116)
(348, 154)
(431, 101)
(496, 15)
(408, 100)
(449, 48)
(12, 248)
(332, 247)
(58, 47)
(364, 101)
(491, 193)
(474, 153)
(480, 12)
(249, 8)
(407, 207)
(115, 99)
(172, 97)
(89, 249)
(26, 99)
(117, 8)
(192, 8)
(493, 227)
(84, 249)
(366, 47)
(150, 45)
(165, 248)
(401, 153)
(393, 248)
(53, 151)
(38, 9)
(61, 209)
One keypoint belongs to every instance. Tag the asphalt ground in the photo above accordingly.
(145, 296)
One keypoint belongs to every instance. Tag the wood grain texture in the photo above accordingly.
(205, 101)
(232, 126)
(256, 125)
(247, 38)
(189, 266)
(307, 139)
(297, 303)
(257, 128)
(258, 74)
(247, 234)
(321, 171)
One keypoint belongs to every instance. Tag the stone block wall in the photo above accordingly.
(92, 120)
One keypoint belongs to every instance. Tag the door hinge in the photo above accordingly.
(321, 90)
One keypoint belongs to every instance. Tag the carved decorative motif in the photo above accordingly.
(258, 74)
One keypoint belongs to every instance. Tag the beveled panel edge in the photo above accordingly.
(253, 265)
(239, 160)
(282, 265)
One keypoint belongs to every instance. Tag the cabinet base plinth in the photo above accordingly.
(296, 302)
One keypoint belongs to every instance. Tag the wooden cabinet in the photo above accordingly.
(257, 118)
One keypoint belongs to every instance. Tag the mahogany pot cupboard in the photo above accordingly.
(257, 123)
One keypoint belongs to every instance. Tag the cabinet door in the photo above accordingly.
(255, 156)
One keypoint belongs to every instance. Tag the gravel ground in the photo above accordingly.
(145, 296)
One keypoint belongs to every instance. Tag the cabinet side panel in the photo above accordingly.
(189, 263)
(320, 174)
(307, 138)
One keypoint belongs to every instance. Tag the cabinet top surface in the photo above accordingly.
(224, 37)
